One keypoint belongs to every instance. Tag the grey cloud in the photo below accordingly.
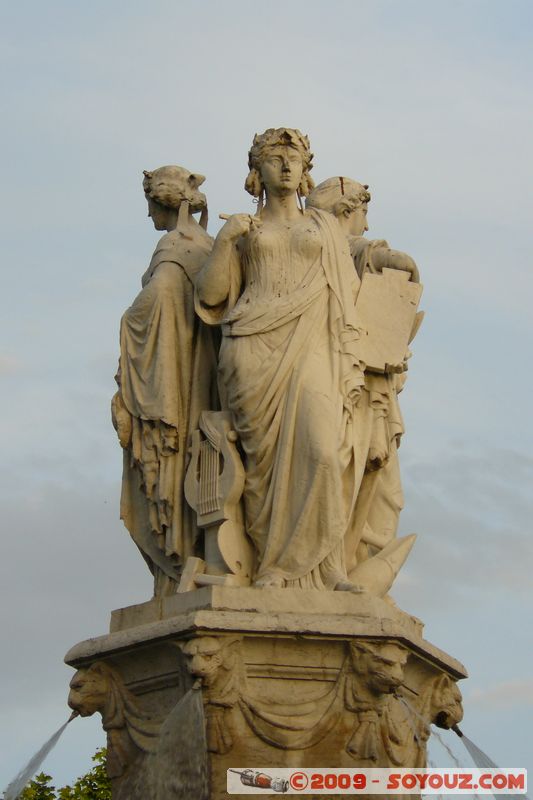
(504, 695)
(67, 563)
(9, 365)
(473, 513)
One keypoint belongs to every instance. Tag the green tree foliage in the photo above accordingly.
(39, 789)
(94, 785)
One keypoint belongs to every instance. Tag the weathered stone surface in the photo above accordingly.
(289, 476)
(166, 378)
(267, 510)
(289, 611)
(338, 674)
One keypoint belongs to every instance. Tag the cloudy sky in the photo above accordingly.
(430, 104)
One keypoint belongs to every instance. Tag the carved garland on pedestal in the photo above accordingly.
(387, 728)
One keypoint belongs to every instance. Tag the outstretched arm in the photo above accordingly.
(385, 258)
(214, 281)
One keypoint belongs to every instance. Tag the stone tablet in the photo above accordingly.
(386, 308)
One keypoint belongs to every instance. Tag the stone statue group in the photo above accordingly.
(257, 403)
(257, 408)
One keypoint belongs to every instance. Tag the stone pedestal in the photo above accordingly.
(196, 683)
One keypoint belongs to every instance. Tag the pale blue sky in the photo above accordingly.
(430, 104)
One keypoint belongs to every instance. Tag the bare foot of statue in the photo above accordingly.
(270, 582)
(348, 586)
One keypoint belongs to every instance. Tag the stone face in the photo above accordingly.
(257, 408)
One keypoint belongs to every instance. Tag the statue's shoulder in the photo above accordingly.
(168, 241)
(173, 246)
(361, 247)
(319, 216)
(325, 222)
(189, 254)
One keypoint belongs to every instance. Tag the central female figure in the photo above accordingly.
(282, 286)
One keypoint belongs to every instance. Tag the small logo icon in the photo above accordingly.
(299, 781)
(260, 780)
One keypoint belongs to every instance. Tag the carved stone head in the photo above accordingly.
(90, 689)
(446, 703)
(278, 140)
(204, 657)
(379, 664)
(346, 199)
(170, 186)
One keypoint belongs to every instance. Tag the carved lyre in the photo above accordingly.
(213, 488)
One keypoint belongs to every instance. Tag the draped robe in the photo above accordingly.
(166, 377)
(381, 495)
(291, 377)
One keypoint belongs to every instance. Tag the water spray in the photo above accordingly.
(28, 771)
